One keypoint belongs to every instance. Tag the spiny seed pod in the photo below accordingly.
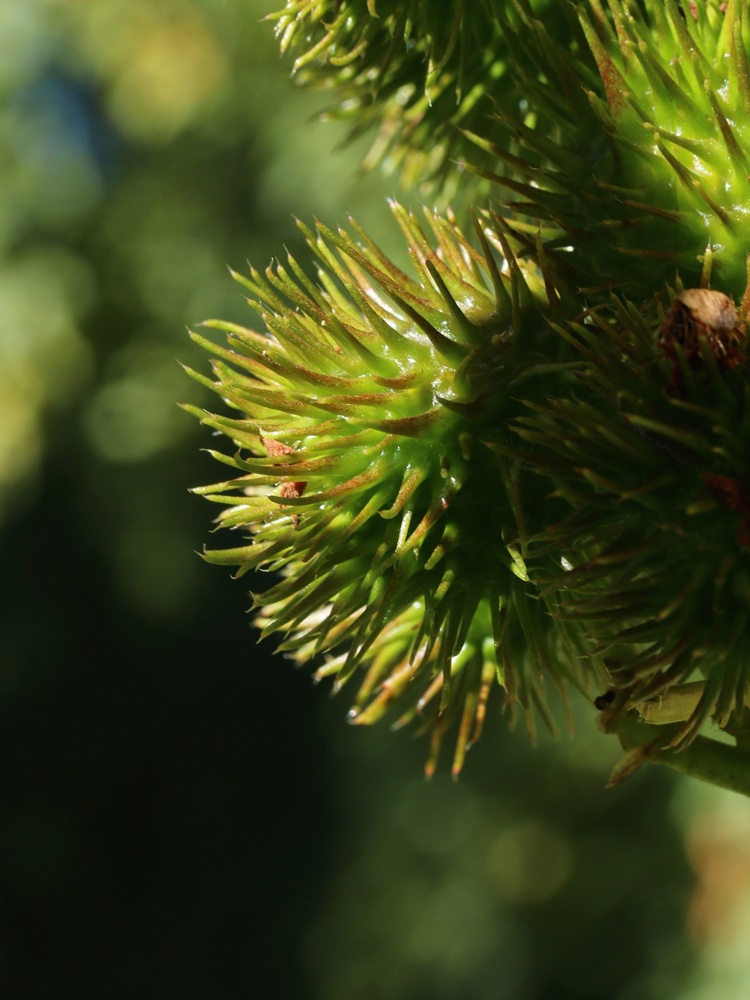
(648, 168)
(656, 557)
(414, 72)
(362, 475)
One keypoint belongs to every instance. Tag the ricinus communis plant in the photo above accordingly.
(525, 465)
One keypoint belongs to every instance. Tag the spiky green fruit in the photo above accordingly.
(652, 454)
(415, 73)
(648, 168)
(364, 477)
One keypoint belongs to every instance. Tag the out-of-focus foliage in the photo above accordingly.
(142, 151)
(167, 826)
(494, 890)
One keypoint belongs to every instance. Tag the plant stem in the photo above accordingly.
(708, 760)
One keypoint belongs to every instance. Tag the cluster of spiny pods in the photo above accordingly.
(525, 463)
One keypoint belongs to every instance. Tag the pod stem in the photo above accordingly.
(707, 759)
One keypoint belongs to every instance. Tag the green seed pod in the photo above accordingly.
(647, 170)
(362, 475)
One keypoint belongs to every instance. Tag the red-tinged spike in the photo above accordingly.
(353, 485)
(463, 741)
(615, 87)
(436, 740)
(412, 427)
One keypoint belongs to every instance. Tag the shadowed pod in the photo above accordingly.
(650, 452)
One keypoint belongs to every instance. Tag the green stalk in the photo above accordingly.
(706, 759)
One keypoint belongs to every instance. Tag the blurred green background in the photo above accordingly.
(181, 815)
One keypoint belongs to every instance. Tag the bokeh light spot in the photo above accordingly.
(529, 863)
(130, 420)
(174, 69)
